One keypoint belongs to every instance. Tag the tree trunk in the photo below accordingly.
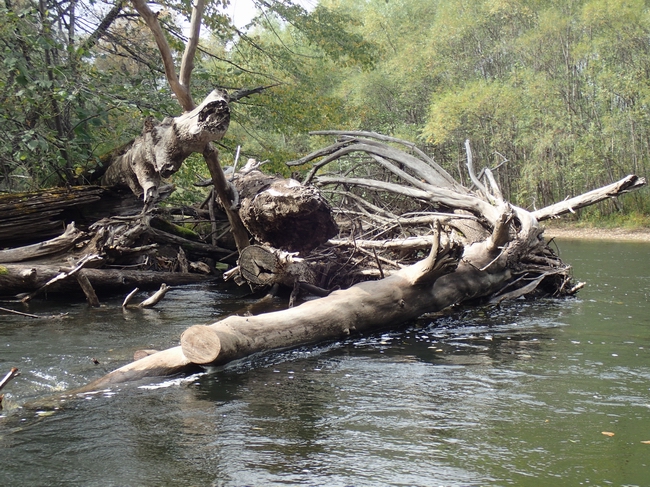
(161, 148)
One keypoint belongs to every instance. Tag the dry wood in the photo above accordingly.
(263, 266)
(85, 260)
(59, 244)
(18, 278)
(88, 289)
(628, 183)
(283, 213)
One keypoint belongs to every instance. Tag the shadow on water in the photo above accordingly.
(514, 395)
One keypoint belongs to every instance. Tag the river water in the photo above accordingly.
(516, 395)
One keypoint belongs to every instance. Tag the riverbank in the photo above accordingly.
(641, 234)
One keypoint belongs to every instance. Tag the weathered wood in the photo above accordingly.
(155, 298)
(19, 278)
(264, 266)
(283, 213)
(59, 244)
(87, 288)
(628, 183)
(506, 258)
(372, 304)
(162, 147)
(85, 260)
(26, 218)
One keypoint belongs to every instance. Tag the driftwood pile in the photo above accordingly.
(376, 228)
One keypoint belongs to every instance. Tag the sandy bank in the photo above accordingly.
(620, 234)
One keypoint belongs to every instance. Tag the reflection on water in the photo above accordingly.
(515, 395)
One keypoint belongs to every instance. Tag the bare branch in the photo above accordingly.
(628, 183)
(182, 93)
(187, 64)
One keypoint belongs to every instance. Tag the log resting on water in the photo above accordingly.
(26, 278)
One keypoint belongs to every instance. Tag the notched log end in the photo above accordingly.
(200, 344)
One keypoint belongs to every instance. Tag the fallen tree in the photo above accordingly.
(480, 249)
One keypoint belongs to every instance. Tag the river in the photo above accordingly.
(530, 393)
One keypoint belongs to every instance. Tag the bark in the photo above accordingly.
(220, 185)
(33, 217)
(283, 213)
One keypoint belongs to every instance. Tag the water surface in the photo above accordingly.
(515, 395)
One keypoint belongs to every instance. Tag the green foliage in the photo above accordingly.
(559, 89)
(64, 101)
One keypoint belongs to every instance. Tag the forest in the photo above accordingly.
(553, 95)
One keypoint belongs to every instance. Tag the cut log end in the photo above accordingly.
(200, 344)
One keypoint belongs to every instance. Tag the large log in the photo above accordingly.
(26, 278)
(368, 305)
(26, 218)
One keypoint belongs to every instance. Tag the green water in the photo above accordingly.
(516, 395)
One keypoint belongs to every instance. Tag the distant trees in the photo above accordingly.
(559, 89)
(555, 93)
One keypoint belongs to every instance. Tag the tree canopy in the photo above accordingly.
(553, 93)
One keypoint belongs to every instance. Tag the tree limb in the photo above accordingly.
(628, 183)
(187, 63)
(181, 91)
